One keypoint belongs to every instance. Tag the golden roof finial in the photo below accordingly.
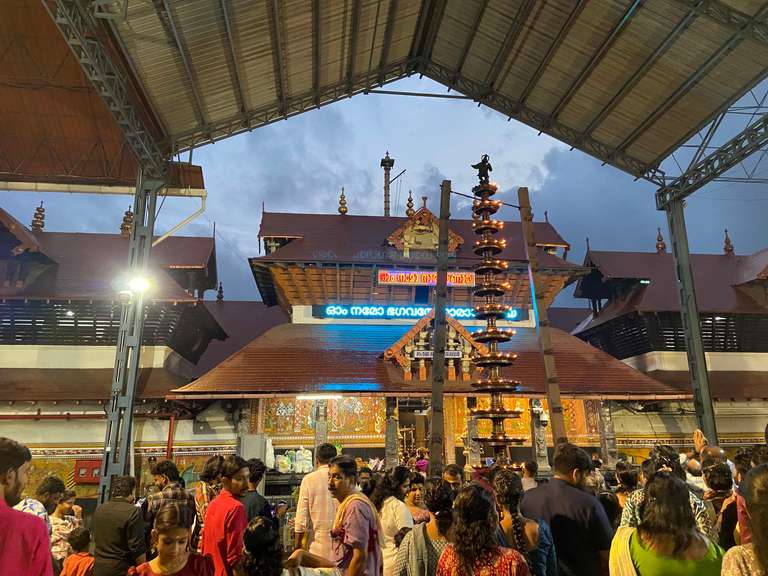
(409, 211)
(728, 245)
(343, 203)
(127, 225)
(38, 220)
(661, 246)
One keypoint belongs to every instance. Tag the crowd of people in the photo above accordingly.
(697, 513)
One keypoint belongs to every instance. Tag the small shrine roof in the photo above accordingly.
(716, 277)
(89, 264)
(363, 239)
(292, 359)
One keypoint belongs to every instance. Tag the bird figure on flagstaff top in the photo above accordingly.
(483, 168)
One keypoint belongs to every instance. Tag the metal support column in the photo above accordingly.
(608, 450)
(689, 314)
(437, 423)
(539, 436)
(117, 453)
(321, 423)
(542, 320)
(391, 440)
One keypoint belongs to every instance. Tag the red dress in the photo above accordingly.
(196, 566)
(502, 562)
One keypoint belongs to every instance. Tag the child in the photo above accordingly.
(81, 562)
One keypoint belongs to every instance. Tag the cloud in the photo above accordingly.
(300, 165)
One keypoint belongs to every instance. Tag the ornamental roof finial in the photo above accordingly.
(343, 203)
(127, 225)
(661, 246)
(728, 245)
(220, 293)
(38, 221)
(409, 211)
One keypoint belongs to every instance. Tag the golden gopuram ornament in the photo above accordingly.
(490, 290)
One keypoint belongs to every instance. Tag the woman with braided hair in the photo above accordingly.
(532, 539)
(474, 550)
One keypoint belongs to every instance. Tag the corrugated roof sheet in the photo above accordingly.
(68, 385)
(624, 81)
(295, 358)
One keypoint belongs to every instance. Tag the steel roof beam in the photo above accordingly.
(316, 50)
(629, 85)
(354, 33)
(238, 85)
(521, 16)
(429, 23)
(544, 64)
(278, 57)
(702, 71)
(290, 107)
(166, 19)
(750, 140)
(471, 36)
(539, 121)
(389, 31)
(597, 57)
(721, 13)
(79, 30)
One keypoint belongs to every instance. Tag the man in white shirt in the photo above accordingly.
(529, 475)
(316, 508)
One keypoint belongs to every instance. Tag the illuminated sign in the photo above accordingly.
(385, 312)
(423, 278)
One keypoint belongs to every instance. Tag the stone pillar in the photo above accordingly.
(450, 422)
(321, 422)
(391, 441)
(538, 436)
(607, 435)
(473, 448)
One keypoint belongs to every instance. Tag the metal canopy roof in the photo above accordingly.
(626, 82)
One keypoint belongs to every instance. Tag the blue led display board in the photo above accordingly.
(388, 312)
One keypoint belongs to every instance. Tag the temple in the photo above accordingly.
(635, 317)
(352, 362)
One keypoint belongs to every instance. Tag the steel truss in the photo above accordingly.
(715, 164)
(708, 163)
(79, 29)
(118, 444)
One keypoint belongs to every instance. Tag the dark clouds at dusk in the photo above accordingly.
(300, 165)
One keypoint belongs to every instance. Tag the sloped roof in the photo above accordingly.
(566, 319)
(90, 265)
(752, 268)
(715, 276)
(290, 359)
(242, 321)
(70, 384)
(26, 240)
(363, 239)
